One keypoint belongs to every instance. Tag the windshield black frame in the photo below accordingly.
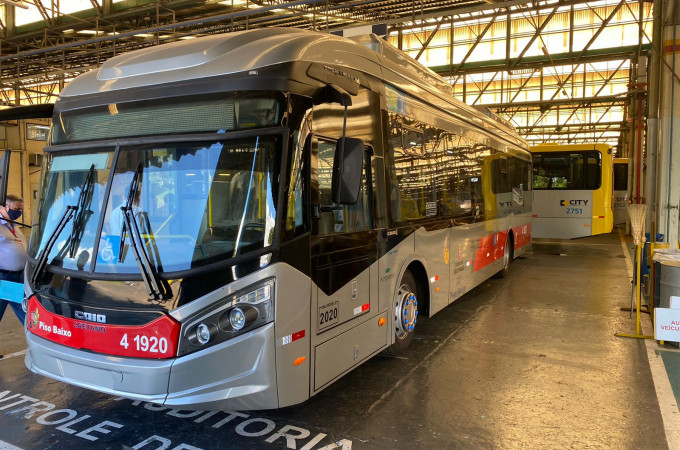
(282, 133)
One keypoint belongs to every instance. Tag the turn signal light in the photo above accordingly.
(382, 321)
(299, 361)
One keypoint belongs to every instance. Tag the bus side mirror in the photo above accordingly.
(347, 168)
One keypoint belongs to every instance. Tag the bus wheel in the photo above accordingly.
(405, 314)
(507, 258)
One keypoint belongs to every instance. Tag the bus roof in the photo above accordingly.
(245, 51)
(549, 147)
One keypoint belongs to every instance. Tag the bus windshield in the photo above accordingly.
(190, 114)
(194, 203)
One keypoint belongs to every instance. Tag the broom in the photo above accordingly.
(637, 213)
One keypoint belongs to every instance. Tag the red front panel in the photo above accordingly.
(157, 339)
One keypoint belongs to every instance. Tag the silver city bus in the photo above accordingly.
(236, 221)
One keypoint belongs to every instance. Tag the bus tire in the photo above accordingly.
(508, 256)
(405, 314)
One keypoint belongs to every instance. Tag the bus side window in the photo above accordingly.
(593, 170)
(500, 174)
(295, 192)
(338, 218)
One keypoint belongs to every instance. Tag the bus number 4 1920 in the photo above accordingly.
(146, 344)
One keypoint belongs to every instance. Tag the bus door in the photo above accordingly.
(484, 212)
(620, 200)
(344, 246)
(499, 206)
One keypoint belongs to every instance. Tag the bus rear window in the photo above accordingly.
(568, 170)
(620, 176)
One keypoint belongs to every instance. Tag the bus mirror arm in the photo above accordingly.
(332, 93)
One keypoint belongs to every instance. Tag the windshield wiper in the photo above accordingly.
(68, 214)
(156, 288)
(82, 214)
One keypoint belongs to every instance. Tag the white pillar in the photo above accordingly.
(668, 167)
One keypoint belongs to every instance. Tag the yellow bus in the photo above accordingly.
(572, 188)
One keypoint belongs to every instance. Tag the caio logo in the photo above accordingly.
(573, 202)
(99, 318)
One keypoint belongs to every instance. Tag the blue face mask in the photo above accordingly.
(14, 214)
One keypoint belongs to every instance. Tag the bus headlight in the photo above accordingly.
(237, 319)
(203, 334)
(231, 316)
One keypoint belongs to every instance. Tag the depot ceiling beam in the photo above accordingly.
(485, 88)
(428, 40)
(538, 32)
(569, 127)
(540, 61)
(606, 82)
(43, 12)
(16, 3)
(474, 45)
(521, 88)
(480, 12)
(157, 29)
(602, 27)
(604, 100)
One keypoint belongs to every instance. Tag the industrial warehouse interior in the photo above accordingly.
(319, 224)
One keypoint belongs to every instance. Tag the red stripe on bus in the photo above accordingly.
(491, 248)
(156, 340)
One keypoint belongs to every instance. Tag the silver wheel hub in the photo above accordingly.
(406, 311)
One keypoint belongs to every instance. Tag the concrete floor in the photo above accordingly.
(528, 361)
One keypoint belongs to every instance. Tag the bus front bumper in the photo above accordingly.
(239, 374)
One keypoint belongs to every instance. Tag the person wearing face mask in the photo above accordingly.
(12, 250)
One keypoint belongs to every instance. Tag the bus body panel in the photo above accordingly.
(619, 207)
(461, 266)
(562, 214)
(435, 244)
(237, 374)
(293, 334)
(339, 355)
(141, 379)
(603, 215)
